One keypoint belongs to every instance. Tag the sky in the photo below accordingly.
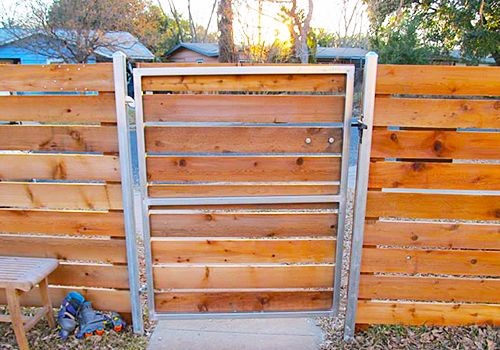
(327, 14)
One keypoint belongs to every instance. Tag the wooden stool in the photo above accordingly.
(17, 276)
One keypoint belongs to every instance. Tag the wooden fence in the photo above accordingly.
(232, 135)
(60, 188)
(431, 252)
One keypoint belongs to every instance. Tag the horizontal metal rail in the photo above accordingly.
(242, 200)
(183, 71)
(262, 314)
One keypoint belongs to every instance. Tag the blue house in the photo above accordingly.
(15, 48)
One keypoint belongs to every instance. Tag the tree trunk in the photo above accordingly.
(225, 24)
(304, 32)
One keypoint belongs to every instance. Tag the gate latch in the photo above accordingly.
(361, 127)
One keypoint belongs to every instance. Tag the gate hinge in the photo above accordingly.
(361, 127)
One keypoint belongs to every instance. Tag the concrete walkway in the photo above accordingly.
(237, 334)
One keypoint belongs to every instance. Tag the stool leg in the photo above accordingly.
(17, 318)
(44, 291)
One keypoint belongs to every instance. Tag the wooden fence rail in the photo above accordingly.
(430, 251)
(60, 179)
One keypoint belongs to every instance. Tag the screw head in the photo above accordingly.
(331, 140)
(308, 140)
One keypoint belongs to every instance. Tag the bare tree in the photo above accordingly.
(177, 19)
(207, 28)
(225, 23)
(74, 30)
(299, 26)
(192, 25)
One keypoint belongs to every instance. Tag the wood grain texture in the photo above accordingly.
(62, 223)
(427, 313)
(242, 301)
(59, 138)
(243, 108)
(433, 206)
(57, 77)
(437, 80)
(224, 250)
(479, 290)
(242, 139)
(260, 82)
(216, 276)
(59, 167)
(90, 275)
(244, 224)
(435, 144)
(58, 109)
(430, 175)
(420, 234)
(453, 262)
(70, 196)
(105, 250)
(102, 299)
(235, 189)
(437, 113)
(228, 168)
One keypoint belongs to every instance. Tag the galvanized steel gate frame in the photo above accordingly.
(146, 201)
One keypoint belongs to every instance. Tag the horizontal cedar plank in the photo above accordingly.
(242, 139)
(242, 301)
(235, 189)
(102, 299)
(201, 277)
(435, 144)
(437, 113)
(478, 290)
(243, 108)
(57, 77)
(433, 206)
(225, 250)
(256, 82)
(243, 224)
(57, 109)
(90, 275)
(30, 195)
(430, 175)
(62, 223)
(164, 168)
(59, 167)
(89, 138)
(105, 250)
(437, 80)
(427, 313)
(421, 234)
(453, 262)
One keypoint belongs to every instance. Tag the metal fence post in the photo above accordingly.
(120, 77)
(369, 83)
(339, 251)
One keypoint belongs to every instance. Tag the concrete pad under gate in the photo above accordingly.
(237, 334)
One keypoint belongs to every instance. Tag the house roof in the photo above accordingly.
(340, 52)
(212, 50)
(112, 42)
(207, 49)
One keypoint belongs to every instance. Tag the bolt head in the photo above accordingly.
(308, 140)
(331, 140)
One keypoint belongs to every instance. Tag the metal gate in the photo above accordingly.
(243, 175)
